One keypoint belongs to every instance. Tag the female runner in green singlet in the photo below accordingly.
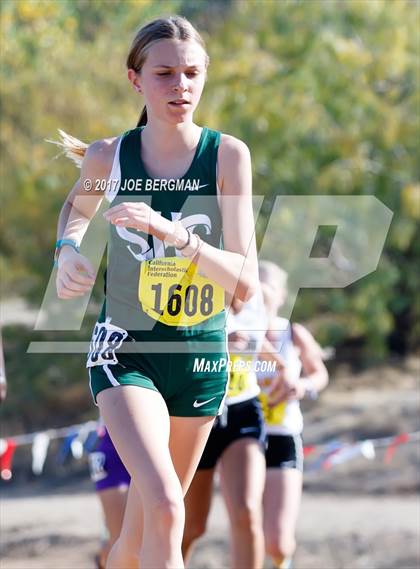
(177, 242)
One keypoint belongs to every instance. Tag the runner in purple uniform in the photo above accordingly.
(111, 482)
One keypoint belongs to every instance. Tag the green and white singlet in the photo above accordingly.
(157, 302)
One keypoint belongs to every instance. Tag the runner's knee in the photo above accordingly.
(247, 517)
(166, 512)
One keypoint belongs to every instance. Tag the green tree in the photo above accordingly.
(326, 95)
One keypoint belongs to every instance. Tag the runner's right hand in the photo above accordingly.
(281, 386)
(75, 274)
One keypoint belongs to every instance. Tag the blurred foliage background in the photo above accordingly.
(325, 94)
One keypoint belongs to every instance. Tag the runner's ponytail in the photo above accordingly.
(72, 147)
(75, 149)
(143, 117)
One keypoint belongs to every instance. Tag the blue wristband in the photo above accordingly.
(60, 243)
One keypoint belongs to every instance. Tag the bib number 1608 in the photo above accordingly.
(189, 299)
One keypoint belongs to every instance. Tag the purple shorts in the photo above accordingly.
(106, 468)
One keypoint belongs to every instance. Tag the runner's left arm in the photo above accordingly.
(315, 372)
(235, 268)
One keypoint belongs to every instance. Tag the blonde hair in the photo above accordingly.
(72, 147)
(172, 27)
(272, 274)
(273, 281)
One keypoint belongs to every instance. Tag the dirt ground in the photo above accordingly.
(362, 514)
(60, 531)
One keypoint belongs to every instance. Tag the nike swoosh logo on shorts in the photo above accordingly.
(197, 404)
(202, 186)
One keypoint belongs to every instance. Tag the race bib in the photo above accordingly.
(239, 374)
(97, 466)
(173, 292)
(106, 338)
(272, 415)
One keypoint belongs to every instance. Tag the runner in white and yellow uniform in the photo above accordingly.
(284, 421)
(236, 443)
(305, 375)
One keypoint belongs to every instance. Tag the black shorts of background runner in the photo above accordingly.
(284, 451)
(243, 419)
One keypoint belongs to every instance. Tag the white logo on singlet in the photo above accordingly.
(146, 253)
(197, 404)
